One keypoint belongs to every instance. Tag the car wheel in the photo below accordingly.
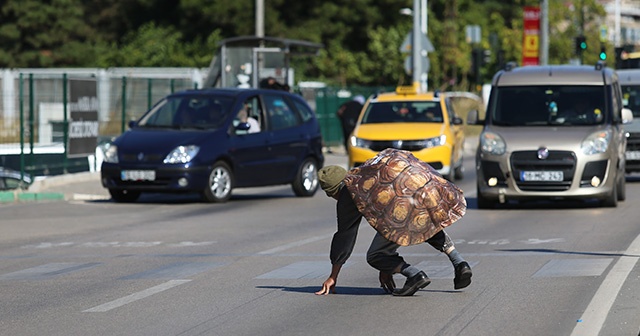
(611, 201)
(622, 190)
(218, 189)
(306, 180)
(124, 196)
(458, 173)
(451, 175)
(484, 202)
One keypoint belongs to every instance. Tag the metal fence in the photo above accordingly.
(34, 110)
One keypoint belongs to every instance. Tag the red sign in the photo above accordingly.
(531, 36)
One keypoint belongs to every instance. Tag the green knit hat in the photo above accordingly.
(330, 178)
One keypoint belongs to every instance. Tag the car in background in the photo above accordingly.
(12, 179)
(552, 133)
(204, 141)
(630, 84)
(423, 123)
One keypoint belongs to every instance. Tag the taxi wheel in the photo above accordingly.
(218, 189)
(306, 180)
(124, 196)
(458, 173)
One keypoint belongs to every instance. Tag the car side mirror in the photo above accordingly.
(472, 118)
(133, 124)
(627, 116)
(243, 126)
(457, 121)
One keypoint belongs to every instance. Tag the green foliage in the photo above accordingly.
(361, 37)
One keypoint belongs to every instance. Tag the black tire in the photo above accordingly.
(451, 175)
(458, 173)
(124, 196)
(306, 182)
(484, 202)
(622, 188)
(220, 184)
(611, 201)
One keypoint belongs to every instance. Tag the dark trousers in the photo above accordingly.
(383, 253)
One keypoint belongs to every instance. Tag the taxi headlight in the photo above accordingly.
(596, 143)
(434, 142)
(182, 154)
(358, 142)
(492, 143)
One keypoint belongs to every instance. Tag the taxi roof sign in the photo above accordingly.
(407, 90)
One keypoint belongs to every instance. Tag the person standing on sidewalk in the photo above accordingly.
(382, 254)
(348, 114)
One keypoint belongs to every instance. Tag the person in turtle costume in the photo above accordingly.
(361, 192)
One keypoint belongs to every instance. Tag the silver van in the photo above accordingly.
(630, 84)
(552, 133)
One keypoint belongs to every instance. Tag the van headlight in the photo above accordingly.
(110, 153)
(596, 143)
(182, 154)
(492, 143)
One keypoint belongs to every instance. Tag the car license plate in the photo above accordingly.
(541, 176)
(632, 155)
(138, 175)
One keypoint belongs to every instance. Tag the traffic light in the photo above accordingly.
(581, 44)
(603, 53)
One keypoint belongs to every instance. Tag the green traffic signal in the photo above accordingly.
(583, 45)
(603, 54)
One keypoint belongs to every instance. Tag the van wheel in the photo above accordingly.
(484, 202)
(124, 196)
(220, 184)
(622, 190)
(305, 183)
(611, 201)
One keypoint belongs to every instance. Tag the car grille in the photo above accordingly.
(408, 145)
(146, 158)
(564, 161)
(633, 145)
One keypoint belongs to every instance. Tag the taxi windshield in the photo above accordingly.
(403, 112)
(188, 111)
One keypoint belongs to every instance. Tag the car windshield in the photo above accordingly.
(548, 105)
(188, 111)
(405, 111)
(631, 99)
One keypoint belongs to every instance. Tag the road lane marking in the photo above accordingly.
(135, 296)
(295, 244)
(596, 313)
(47, 271)
(178, 270)
(573, 267)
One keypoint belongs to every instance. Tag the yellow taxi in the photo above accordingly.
(422, 123)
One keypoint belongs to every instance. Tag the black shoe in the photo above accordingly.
(411, 286)
(463, 276)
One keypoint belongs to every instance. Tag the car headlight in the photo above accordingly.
(433, 142)
(596, 143)
(357, 142)
(492, 143)
(182, 154)
(110, 153)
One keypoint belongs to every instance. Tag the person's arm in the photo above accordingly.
(343, 240)
(329, 285)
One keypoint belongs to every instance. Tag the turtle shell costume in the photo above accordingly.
(403, 198)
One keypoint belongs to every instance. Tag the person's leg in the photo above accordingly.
(383, 256)
(443, 243)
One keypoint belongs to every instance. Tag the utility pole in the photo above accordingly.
(544, 36)
(416, 48)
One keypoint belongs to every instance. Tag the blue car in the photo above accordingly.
(211, 141)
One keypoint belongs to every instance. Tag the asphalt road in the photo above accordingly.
(172, 265)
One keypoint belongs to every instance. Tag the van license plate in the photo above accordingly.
(138, 175)
(541, 176)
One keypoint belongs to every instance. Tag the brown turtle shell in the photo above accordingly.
(403, 198)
